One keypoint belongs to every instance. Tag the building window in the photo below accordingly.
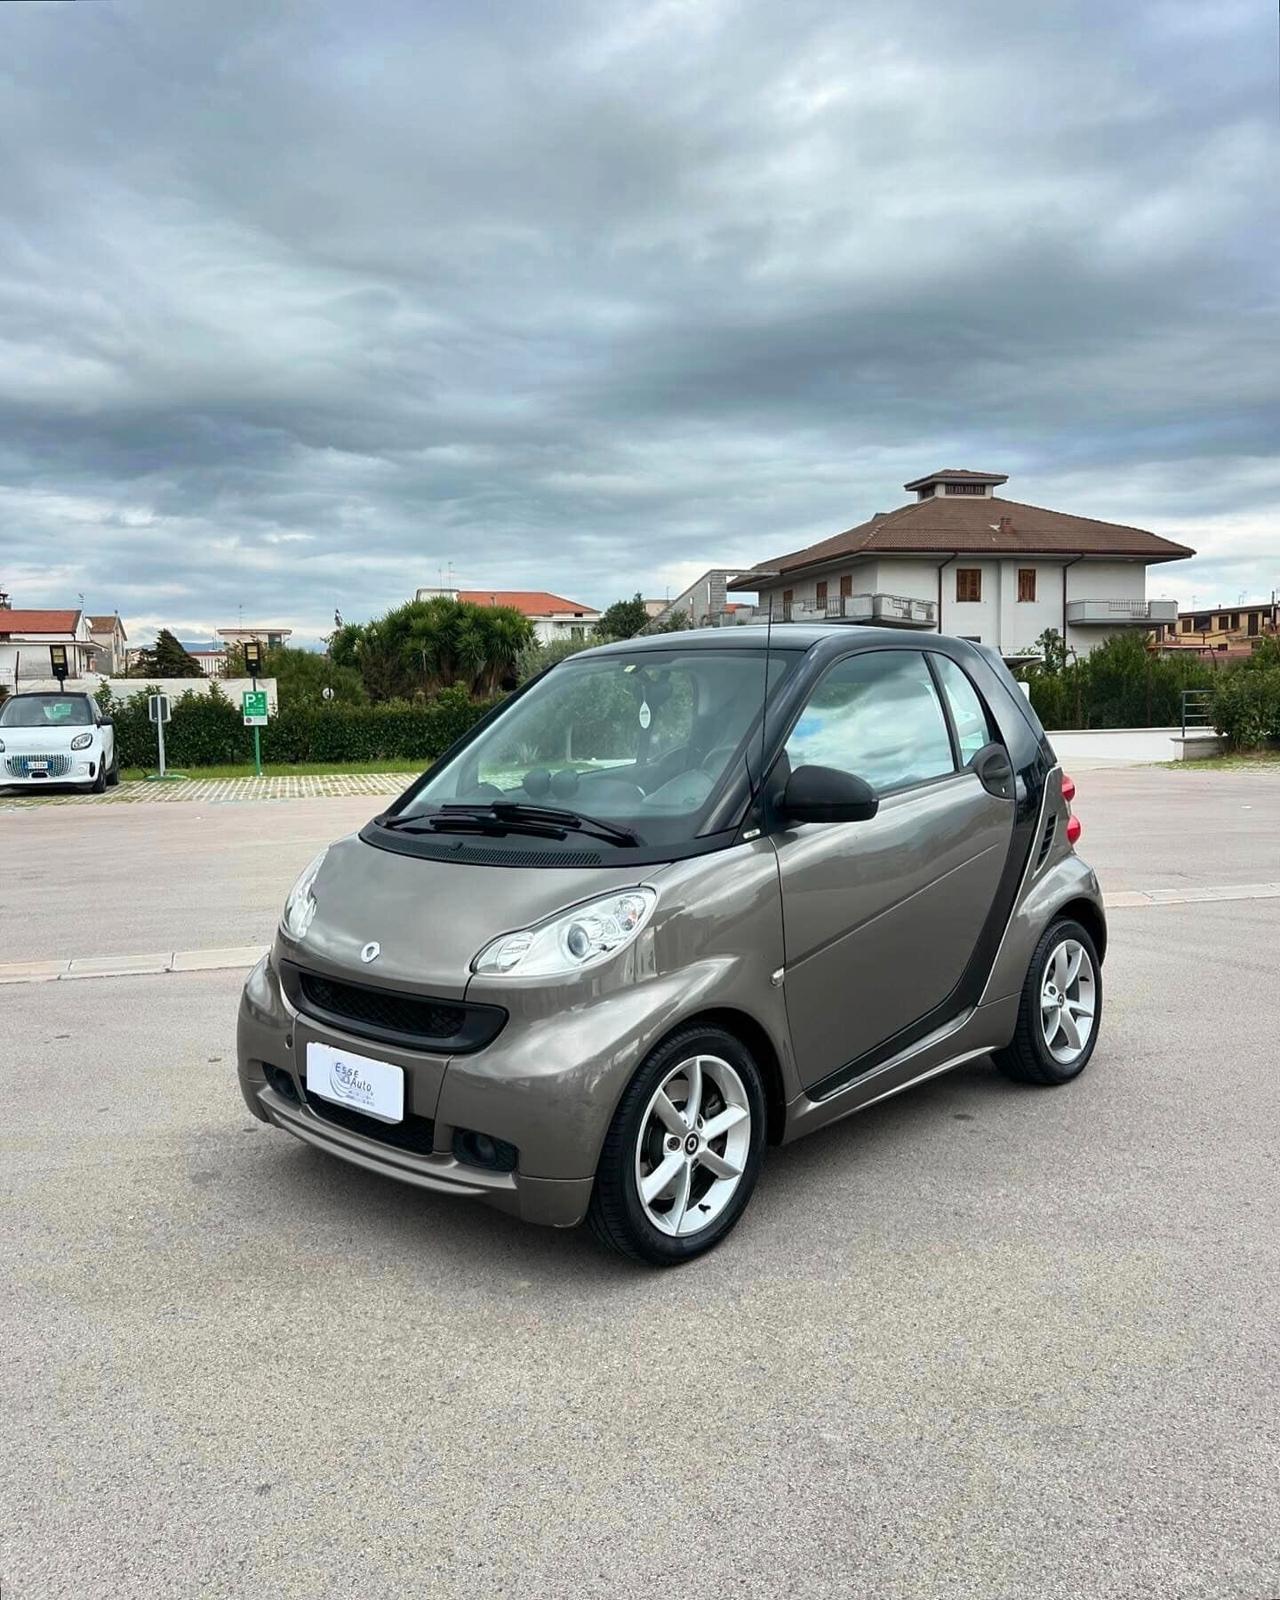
(1223, 624)
(927, 492)
(846, 586)
(966, 488)
(968, 583)
(820, 595)
(1187, 624)
(1026, 583)
(787, 596)
(1235, 619)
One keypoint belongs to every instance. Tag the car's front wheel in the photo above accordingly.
(1059, 1011)
(99, 784)
(683, 1151)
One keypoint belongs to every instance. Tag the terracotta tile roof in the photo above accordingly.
(38, 621)
(977, 526)
(533, 602)
(106, 625)
(957, 475)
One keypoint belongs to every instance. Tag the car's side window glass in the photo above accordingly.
(967, 711)
(878, 716)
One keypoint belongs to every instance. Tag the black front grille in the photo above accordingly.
(414, 1133)
(418, 1021)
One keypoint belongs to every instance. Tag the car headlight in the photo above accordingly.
(571, 939)
(300, 907)
(82, 741)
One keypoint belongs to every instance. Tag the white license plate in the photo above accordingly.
(374, 1087)
(37, 766)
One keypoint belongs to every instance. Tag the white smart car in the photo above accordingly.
(48, 739)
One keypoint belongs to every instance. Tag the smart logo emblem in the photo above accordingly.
(371, 952)
(348, 1085)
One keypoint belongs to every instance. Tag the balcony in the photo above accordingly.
(1121, 613)
(878, 610)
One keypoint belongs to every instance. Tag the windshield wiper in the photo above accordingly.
(512, 816)
(555, 816)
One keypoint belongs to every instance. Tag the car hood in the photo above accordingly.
(430, 918)
(42, 741)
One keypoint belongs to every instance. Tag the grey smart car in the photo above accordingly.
(677, 899)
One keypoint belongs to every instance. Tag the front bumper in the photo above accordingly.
(271, 1045)
(13, 777)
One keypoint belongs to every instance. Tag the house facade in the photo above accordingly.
(553, 617)
(961, 559)
(1220, 631)
(25, 637)
(209, 654)
(112, 644)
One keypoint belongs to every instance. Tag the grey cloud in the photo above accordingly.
(299, 304)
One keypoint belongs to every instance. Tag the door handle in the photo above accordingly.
(994, 770)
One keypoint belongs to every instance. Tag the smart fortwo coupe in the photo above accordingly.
(677, 899)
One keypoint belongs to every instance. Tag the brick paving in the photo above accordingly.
(217, 791)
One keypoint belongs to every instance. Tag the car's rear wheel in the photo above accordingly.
(683, 1151)
(1059, 1011)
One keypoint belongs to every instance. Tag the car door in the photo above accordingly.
(881, 917)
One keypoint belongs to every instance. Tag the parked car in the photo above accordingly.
(680, 898)
(54, 739)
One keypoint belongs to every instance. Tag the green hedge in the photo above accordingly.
(207, 730)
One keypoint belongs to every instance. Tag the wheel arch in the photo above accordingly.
(1090, 917)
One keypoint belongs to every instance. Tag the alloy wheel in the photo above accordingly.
(1068, 1001)
(693, 1145)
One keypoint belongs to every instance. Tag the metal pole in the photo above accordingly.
(257, 735)
(160, 737)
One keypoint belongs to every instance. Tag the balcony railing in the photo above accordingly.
(883, 610)
(1121, 613)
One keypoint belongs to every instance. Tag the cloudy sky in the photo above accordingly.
(302, 302)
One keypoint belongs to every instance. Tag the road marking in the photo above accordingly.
(242, 957)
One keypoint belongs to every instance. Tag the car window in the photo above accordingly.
(967, 711)
(878, 716)
(46, 711)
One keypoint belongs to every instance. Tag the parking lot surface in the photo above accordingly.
(982, 1342)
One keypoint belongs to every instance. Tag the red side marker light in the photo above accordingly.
(1073, 829)
(1068, 788)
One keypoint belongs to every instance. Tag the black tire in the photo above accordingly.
(113, 772)
(617, 1215)
(99, 784)
(1027, 1057)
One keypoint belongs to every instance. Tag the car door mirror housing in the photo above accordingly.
(825, 794)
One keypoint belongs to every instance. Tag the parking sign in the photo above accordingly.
(253, 705)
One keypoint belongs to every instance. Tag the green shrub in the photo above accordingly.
(208, 730)
(1246, 704)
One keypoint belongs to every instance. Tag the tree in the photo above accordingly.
(166, 659)
(623, 619)
(419, 648)
(302, 676)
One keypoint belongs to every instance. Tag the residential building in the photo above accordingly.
(269, 638)
(553, 617)
(25, 637)
(112, 643)
(703, 604)
(961, 559)
(211, 654)
(1220, 631)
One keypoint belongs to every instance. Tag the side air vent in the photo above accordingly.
(1046, 841)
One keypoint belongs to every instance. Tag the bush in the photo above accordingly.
(1121, 684)
(207, 730)
(1246, 705)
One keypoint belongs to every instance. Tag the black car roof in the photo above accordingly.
(782, 636)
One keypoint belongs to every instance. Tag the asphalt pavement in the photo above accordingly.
(982, 1342)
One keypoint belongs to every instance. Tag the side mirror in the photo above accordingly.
(105, 722)
(824, 794)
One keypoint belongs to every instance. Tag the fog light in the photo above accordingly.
(479, 1150)
(283, 1084)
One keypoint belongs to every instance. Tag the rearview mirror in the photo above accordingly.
(824, 794)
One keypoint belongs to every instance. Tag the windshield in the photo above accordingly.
(46, 711)
(639, 740)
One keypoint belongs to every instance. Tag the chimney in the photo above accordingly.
(1006, 525)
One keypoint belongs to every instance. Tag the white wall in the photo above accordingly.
(1102, 580)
